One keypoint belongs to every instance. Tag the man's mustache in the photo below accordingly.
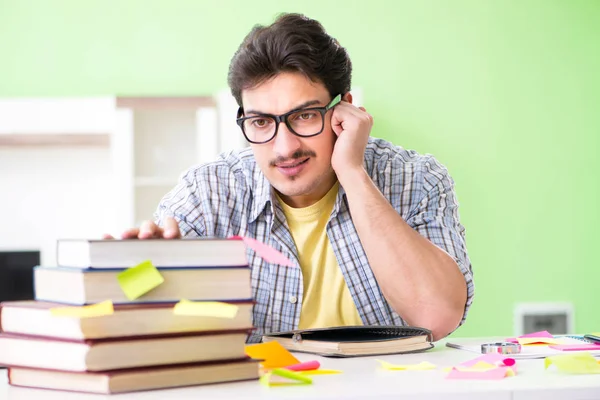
(298, 154)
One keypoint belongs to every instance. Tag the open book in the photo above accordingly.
(348, 341)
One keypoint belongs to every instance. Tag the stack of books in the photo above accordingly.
(84, 332)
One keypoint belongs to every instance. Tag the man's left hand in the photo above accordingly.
(353, 126)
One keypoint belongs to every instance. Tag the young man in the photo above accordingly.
(373, 229)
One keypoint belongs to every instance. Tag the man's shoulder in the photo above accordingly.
(394, 168)
(227, 168)
(380, 153)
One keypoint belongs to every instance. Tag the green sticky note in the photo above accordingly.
(284, 377)
(139, 280)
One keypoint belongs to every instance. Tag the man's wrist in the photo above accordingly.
(352, 176)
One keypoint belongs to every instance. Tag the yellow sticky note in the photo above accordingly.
(580, 363)
(408, 367)
(480, 366)
(273, 354)
(320, 372)
(93, 310)
(139, 280)
(206, 309)
(284, 377)
(537, 341)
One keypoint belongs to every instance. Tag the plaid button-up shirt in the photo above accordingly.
(231, 196)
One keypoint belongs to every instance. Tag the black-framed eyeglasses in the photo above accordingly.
(305, 122)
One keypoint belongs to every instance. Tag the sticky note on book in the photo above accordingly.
(206, 309)
(93, 310)
(139, 280)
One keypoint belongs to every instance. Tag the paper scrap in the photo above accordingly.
(575, 347)
(407, 367)
(282, 377)
(139, 280)
(206, 309)
(320, 372)
(93, 310)
(492, 374)
(273, 354)
(264, 251)
(304, 366)
(579, 363)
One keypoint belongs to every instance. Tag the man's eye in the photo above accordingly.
(260, 122)
(306, 116)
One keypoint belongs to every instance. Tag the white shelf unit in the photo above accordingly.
(81, 167)
(166, 136)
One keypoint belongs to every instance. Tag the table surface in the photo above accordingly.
(362, 378)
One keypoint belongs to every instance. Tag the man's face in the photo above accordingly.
(298, 168)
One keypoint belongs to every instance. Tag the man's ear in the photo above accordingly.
(347, 97)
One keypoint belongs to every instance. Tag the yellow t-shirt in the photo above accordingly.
(327, 301)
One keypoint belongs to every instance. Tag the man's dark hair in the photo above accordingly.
(293, 43)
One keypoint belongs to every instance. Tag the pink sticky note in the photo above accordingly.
(491, 358)
(492, 374)
(575, 347)
(541, 334)
(305, 366)
(264, 251)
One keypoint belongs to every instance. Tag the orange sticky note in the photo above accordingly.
(273, 354)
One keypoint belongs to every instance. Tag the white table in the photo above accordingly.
(363, 379)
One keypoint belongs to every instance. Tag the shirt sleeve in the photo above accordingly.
(183, 204)
(436, 217)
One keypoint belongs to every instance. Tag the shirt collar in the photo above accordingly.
(262, 194)
(261, 189)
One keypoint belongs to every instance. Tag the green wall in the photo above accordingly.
(505, 93)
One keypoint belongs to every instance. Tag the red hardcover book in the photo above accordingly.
(136, 379)
(35, 318)
(120, 353)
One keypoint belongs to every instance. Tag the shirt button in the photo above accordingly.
(293, 299)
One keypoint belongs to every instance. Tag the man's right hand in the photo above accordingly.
(149, 230)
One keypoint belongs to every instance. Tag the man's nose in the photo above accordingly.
(285, 143)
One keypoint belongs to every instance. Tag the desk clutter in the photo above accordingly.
(115, 328)
(178, 322)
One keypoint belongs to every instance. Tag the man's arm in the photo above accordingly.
(182, 205)
(422, 282)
